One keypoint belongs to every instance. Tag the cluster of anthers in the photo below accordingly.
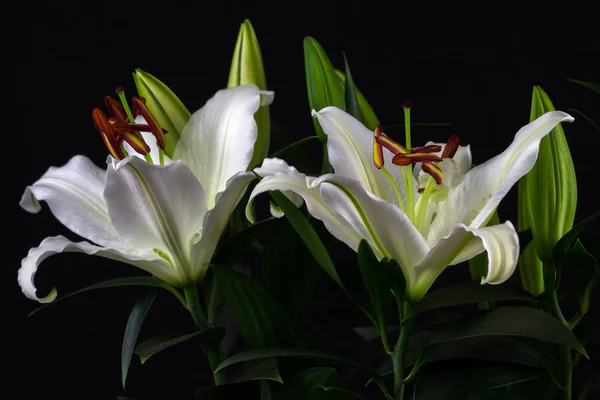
(120, 126)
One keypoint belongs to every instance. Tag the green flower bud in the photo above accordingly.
(165, 106)
(551, 186)
(247, 67)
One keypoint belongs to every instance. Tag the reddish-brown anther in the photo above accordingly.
(434, 171)
(155, 128)
(122, 127)
(377, 149)
(451, 147)
(103, 126)
(408, 159)
(430, 148)
(115, 109)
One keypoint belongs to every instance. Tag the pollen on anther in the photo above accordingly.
(377, 148)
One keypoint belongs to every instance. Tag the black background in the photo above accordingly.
(66, 57)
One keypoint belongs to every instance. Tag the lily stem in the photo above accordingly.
(398, 353)
(195, 308)
(565, 351)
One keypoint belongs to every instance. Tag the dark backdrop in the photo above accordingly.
(66, 57)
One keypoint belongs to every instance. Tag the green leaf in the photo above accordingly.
(282, 153)
(509, 321)
(322, 82)
(132, 329)
(252, 355)
(582, 267)
(368, 117)
(455, 381)
(260, 320)
(377, 283)
(166, 107)
(117, 282)
(333, 393)
(350, 93)
(593, 86)
(468, 293)
(588, 119)
(158, 343)
(308, 235)
(566, 242)
(300, 386)
(233, 245)
(259, 371)
(503, 349)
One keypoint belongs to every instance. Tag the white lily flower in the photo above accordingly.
(443, 224)
(164, 219)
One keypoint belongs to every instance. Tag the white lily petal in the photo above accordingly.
(476, 198)
(304, 186)
(272, 166)
(147, 260)
(500, 241)
(215, 221)
(350, 150)
(218, 140)
(74, 194)
(155, 206)
(151, 142)
(387, 228)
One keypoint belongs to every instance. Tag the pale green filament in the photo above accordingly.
(422, 204)
(161, 156)
(410, 194)
(396, 189)
(121, 94)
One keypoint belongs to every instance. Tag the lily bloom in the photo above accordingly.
(165, 219)
(426, 219)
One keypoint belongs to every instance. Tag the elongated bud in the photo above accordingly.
(548, 195)
(247, 68)
(377, 148)
(164, 105)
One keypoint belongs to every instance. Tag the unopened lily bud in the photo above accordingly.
(551, 186)
(247, 68)
(170, 113)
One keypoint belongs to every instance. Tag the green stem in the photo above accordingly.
(565, 351)
(398, 353)
(213, 352)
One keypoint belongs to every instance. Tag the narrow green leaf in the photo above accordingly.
(158, 343)
(368, 117)
(117, 282)
(321, 81)
(261, 322)
(503, 349)
(333, 393)
(307, 234)
(132, 329)
(352, 107)
(456, 381)
(565, 243)
(593, 86)
(282, 153)
(166, 107)
(253, 355)
(264, 370)
(510, 321)
(468, 293)
(377, 283)
(300, 386)
(588, 119)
